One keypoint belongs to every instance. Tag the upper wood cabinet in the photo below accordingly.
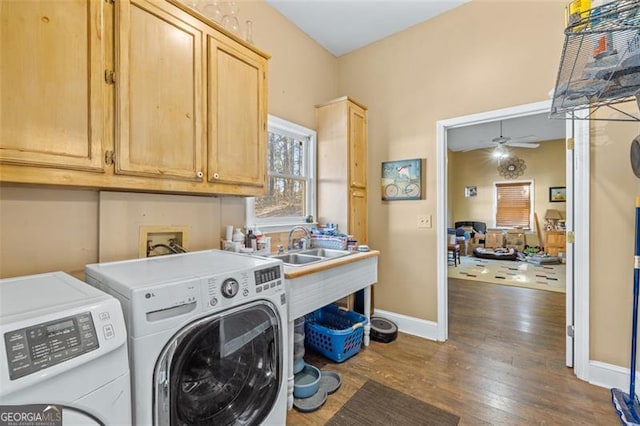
(182, 84)
(150, 93)
(342, 166)
(357, 145)
(237, 114)
(158, 93)
(52, 91)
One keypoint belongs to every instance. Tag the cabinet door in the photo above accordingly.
(159, 130)
(237, 115)
(52, 88)
(555, 242)
(357, 146)
(358, 215)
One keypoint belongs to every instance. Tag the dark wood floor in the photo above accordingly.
(502, 365)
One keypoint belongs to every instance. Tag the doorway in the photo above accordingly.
(577, 183)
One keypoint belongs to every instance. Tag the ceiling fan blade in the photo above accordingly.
(478, 146)
(522, 145)
(528, 138)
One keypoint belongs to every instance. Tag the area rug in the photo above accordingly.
(377, 404)
(515, 273)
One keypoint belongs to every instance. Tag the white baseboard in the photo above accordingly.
(410, 325)
(609, 375)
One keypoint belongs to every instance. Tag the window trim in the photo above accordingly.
(532, 200)
(285, 223)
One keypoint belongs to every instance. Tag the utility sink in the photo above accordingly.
(323, 252)
(308, 256)
(297, 259)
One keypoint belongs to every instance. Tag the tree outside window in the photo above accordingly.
(289, 197)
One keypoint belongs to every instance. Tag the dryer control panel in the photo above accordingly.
(40, 346)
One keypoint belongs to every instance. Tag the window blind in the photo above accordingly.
(513, 204)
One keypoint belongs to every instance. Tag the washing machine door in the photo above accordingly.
(224, 369)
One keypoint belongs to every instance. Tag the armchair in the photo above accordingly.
(477, 231)
(479, 227)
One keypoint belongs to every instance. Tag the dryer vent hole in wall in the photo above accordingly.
(162, 240)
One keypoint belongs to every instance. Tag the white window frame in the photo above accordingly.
(532, 203)
(279, 125)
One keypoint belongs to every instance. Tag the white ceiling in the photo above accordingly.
(342, 26)
(532, 128)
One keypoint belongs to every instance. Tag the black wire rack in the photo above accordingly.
(600, 63)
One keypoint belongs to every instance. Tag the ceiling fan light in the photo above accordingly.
(500, 152)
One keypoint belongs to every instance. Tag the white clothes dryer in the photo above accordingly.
(63, 352)
(207, 336)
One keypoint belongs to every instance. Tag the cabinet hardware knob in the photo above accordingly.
(216, 176)
(199, 174)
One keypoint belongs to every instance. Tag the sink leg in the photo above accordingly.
(367, 313)
(289, 369)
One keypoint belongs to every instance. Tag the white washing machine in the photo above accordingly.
(207, 336)
(64, 350)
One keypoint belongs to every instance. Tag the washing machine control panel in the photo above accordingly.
(226, 290)
(264, 276)
(268, 278)
(44, 345)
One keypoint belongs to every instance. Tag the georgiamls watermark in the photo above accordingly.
(30, 415)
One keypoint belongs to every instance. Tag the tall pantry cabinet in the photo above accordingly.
(342, 166)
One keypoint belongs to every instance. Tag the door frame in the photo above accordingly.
(577, 201)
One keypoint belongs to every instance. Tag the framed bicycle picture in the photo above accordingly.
(401, 180)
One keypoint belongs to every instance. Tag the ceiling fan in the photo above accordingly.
(501, 142)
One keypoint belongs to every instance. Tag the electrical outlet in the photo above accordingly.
(424, 221)
(161, 240)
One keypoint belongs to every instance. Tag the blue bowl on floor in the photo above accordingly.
(306, 382)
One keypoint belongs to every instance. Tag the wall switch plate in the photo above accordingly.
(424, 221)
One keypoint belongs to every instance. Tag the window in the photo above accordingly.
(513, 201)
(290, 196)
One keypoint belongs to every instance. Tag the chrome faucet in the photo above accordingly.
(307, 236)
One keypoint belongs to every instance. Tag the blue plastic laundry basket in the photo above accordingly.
(335, 333)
